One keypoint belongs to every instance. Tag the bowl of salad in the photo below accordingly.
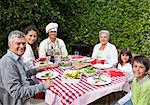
(89, 71)
(65, 58)
(65, 65)
(71, 76)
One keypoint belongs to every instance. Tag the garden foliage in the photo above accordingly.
(80, 20)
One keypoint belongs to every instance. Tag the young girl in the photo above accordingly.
(31, 52)
(140, 89)
(124, 64)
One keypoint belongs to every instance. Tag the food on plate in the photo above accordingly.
(99, 78)
(47, 75)
(72, 75)
(42, 60)
(65, 58)
(65, 64)
(89, 70)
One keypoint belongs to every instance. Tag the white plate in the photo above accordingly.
(63, 58)
(65, 65)
(75, 60)
(105, 80)
(86, 59)
(102, 66)
(52, 74)
(37, 64)
(70, 80)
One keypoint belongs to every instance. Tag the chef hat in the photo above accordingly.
(51, 27)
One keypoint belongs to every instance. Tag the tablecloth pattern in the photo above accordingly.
(70, 92)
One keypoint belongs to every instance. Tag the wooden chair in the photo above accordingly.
(113, 96)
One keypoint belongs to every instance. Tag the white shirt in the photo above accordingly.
(109, 53)
(47, 43)
(28, 54)
(127, 69)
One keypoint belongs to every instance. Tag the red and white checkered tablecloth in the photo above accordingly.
(68, 93)
(79, 93)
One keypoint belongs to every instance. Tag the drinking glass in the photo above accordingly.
(57, 59)
(98, 60)
(57, 51)
(76, 53)
(49, 53)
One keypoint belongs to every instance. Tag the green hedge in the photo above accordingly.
(127, 20)
(80, 20)
(17, 14)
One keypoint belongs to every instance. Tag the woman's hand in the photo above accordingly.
(53, 65)
(48, 83)
(49, 66)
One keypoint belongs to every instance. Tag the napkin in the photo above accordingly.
(116, 73)
(77, 57)
(94, 62)
(42, 59)
(39, 95)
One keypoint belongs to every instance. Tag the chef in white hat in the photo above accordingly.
(52, 42)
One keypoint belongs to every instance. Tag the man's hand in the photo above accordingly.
(49, 66)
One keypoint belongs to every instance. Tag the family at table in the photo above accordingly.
(19, 64)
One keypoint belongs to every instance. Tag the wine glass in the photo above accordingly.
(98, 60)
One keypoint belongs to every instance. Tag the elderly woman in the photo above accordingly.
(105, 50)
(52, 42)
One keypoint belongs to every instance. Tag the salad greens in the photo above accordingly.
(65, 58)
(47, 75)
(65, 64)
(89, 70)
(73, 75)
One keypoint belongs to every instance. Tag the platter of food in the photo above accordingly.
(47, 75)
(65, 65)
(65, 58)
(99, 80)
(71, 76)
